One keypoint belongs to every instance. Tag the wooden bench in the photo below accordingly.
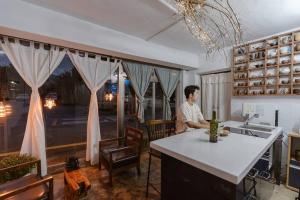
(29, 187)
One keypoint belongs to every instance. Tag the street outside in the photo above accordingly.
(64, 125)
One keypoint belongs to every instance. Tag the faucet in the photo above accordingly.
(250, 118)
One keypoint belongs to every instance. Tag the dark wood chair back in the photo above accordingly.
(133, 137)
(127, 151)
(158, 129)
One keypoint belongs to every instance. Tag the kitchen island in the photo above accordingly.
(194, 168)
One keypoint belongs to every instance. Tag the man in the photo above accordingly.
(189, 115)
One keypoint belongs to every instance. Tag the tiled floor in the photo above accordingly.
(127, 185)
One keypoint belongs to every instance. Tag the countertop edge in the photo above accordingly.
(202, 166)
(235, 179)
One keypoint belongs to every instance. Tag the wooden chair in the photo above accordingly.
(157, 129)
(32, 186)
(116, 154)
(76, 185)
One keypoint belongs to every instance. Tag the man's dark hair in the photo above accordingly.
(190, 90)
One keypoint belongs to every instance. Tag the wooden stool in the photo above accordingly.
(76, 185)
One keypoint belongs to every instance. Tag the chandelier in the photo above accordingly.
(213, 22)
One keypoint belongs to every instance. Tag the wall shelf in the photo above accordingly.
(253, 64)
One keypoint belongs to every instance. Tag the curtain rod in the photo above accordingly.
(73, 49)
(60, 46)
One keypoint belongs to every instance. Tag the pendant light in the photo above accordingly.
(108, 94)
(5, 108)
(2, 109)
(50, 103)
(49, 100)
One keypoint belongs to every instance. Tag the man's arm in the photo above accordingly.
(204, 122)
(197, 124)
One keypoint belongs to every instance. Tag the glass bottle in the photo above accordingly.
(213, 134)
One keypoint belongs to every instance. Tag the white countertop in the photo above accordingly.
(230, 159)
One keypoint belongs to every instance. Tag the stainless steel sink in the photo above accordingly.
(258, 128)
(253, 130)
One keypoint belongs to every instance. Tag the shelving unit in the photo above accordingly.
(268, 67)
(293, 166)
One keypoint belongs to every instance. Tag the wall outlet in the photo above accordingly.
(248, 109)
(260, 109)
(253, 108)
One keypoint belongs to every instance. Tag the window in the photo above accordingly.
(173, 105)
(153, 101)
(148, 103)
(129, 104)
(108, 108)
(159, 96)
(16, 93)
(66, 123)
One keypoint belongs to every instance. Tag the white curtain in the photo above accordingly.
(168, 79)
(34, 65)
(216, 95)
(95, 72)
(140, 76)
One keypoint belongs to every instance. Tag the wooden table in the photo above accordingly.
(76, 185)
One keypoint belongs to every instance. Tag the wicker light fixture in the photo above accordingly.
(5, 107)
(213, 22)
(49, 101)
(109, 95)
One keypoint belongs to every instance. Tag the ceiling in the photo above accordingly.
(154, 21)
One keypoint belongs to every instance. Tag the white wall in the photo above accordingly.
(19, 15)
(188, 78)
(289, 107)
(215, 61)
(289, 115)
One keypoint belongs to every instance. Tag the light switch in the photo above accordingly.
(249, 108)
(259, 109)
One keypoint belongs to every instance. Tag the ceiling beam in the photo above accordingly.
(165, 28)
(172, 8)
(169, 5)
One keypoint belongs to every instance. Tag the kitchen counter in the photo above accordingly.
(194, 168)
(231, 158)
